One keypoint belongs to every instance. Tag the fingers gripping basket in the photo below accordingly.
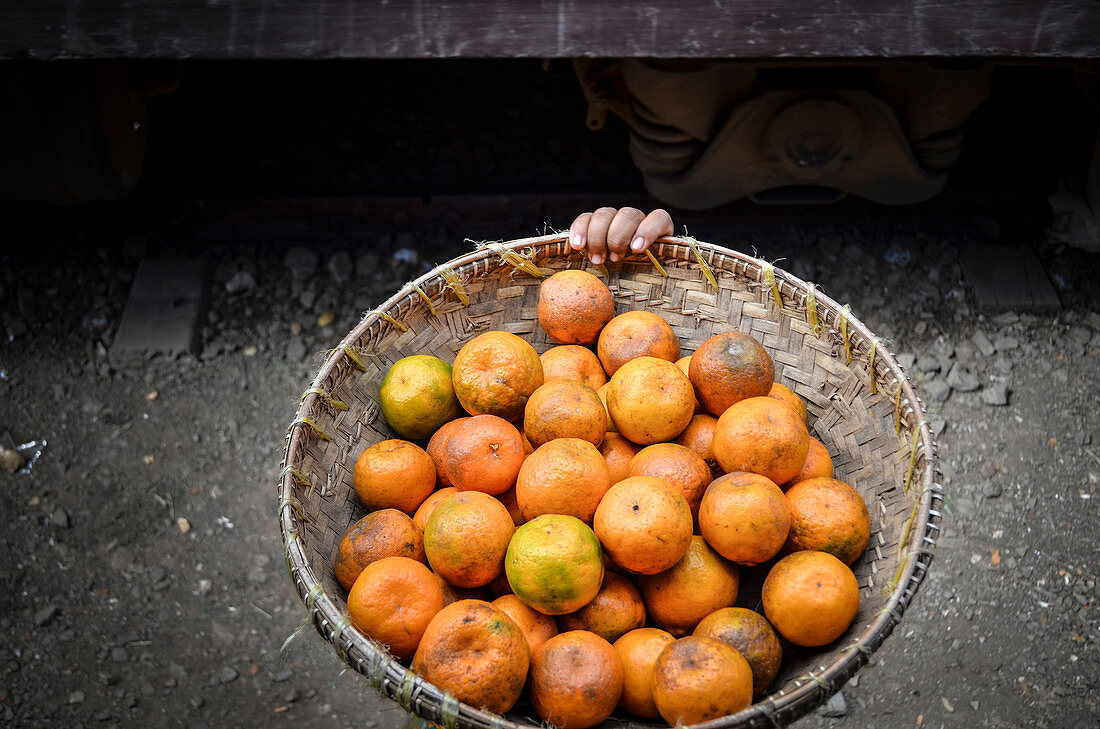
(861, 407)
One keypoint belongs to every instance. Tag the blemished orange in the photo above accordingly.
(818, 464)
(828, 515)
(494, 373)
(508, 498)
(564, 409)
(698, 436)
(564, 476)
(644, 524)
(436, 445)
(754, 638)
(499, 587)
(554, 564)
(684, 363)
(528, 449)
(475, 652)
(810, 597)
(576, 680)
(650, 400)
(635, 334)
(482, 453)
(761, 435)
(420, 518)
(638, 650)
(574, 306)
(615, 610)
(785, 394)
(684, 469)
(466, 537)
(700, 679)
(573, 362)
(745, 517)
(393, 600)
(617, 451)
(729, 367)
(537, 628)
(602, 392)
(454, 594)
(382, 533)
(393, 474)
(700, 583)
(417, 396)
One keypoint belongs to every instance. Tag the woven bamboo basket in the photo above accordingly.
(861, 407)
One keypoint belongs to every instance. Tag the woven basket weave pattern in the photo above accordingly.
(863, 410)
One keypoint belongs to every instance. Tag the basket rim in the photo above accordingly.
(790, 701)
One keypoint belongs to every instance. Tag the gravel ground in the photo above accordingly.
(143, 581)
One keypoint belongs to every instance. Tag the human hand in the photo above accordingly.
(610, 233)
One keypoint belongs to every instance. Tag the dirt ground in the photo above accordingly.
(113, 614)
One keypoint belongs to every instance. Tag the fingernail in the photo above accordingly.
(638, 244)
(576, 241)
(596, 259)
(613, 256)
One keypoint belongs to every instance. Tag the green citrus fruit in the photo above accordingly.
(554, 564)
(417, 396)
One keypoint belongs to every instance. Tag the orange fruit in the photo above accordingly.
(477, 653)
(754, 638)
(537, 628)
(420, 517)
(602, 392)
(761, 435)
(700, 583)
(810, 597)
(383, 533)
(575, 363)
(436, 446)
(564, 476)
(635, 334)
(393, 600)
(564, 409)
(684, 469)
(508, 498)
(482, 453)
(617, 451)
(698, 436)
(466, 537)
(745, 517)
(818, 463)
(417, 396)
(700, 679)
(785, 394)
(638, 651)
(615, 610)
(554, 564)
(644, 524)
(650, 400)
(574, 306)
(394, 474)
(729, 367)
(576, 680)
(828, 515)
(494, 373)
(498, 588)
(454, 594)
(683, 363)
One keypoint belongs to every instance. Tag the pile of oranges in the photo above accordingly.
(577, 524)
